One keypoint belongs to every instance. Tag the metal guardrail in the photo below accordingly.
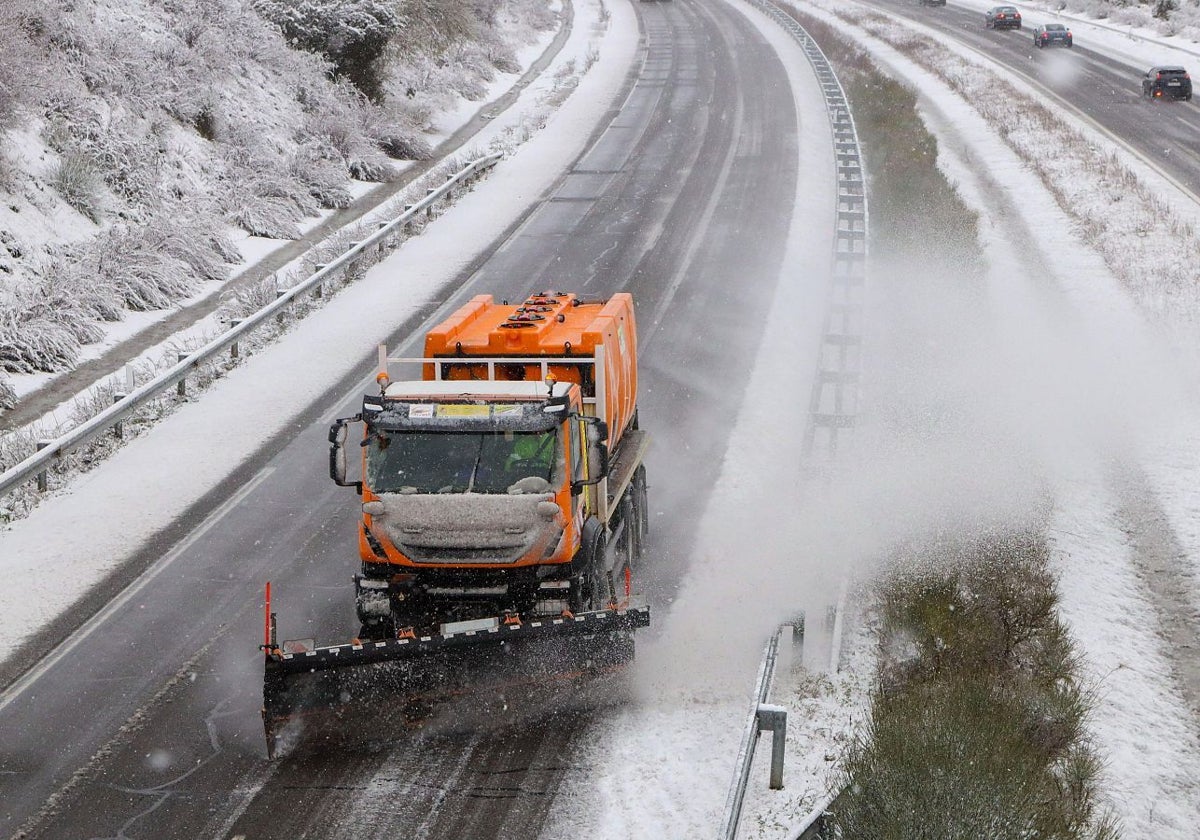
(833, 403)
(35, 465)
(737, 791)
(814, 826)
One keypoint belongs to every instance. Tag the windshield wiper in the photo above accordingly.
(475, 466)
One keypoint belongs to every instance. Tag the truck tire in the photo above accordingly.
(641, 512)
(587, 576)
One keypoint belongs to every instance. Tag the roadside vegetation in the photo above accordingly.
(1166, 17)
(977, 726)
(139, 141)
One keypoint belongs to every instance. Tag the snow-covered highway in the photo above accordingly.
(692, 167)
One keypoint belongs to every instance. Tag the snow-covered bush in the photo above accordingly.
(78, 182)
(323, 173)
(142, 269)
(43, 325)
(352, 34)
(18, 60)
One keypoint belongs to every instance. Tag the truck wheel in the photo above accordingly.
(641, 507)
(587, 577)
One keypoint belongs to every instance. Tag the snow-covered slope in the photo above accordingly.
(144, 140)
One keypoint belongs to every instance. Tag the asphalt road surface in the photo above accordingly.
(147, 724)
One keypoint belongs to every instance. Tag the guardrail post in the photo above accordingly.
(319, 289)
(797, 625)
(119, 426)
(774, 718)
(279, 315)
(234, 349)
(181, 388)
(43, 478)
(429, 207)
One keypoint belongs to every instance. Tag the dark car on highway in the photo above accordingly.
(1169, 81)
(1053, 35)
(1002, 17)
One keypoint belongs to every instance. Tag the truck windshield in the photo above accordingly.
(459, 462)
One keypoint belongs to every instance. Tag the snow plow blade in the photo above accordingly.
(395, 678)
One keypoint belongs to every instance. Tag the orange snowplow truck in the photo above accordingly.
(506, 483)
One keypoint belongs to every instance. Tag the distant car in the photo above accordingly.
(932, 2)
(1169, 81)
(1053, 35)
(1002, 17)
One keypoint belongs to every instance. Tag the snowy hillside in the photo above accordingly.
(142, 140)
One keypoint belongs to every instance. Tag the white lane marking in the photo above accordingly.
(247, 794)
(66, 648)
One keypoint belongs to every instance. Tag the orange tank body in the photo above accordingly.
(556, 326)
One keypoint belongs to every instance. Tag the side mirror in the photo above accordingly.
(596, 436)
(337, 452)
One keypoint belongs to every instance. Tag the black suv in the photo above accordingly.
(1002, 17)
(1167, 82)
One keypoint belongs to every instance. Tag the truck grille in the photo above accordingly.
(432, 554)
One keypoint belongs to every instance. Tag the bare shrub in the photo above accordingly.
(503, 57)
(324, 174)
(8, 397)
(272, 218)
(29, 346)
(70, 287)
(195, 241)
(144, 273)
(244, 302)
(77, 180)
(346, 135)
(405, 146)
(372, 167)
(19, 75)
